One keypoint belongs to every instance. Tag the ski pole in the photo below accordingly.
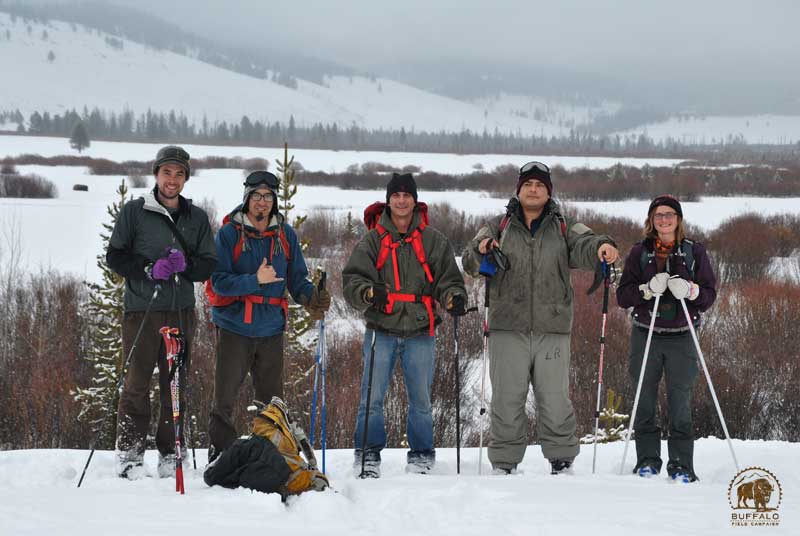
(710, 384)
(191, 426)
(606, 284)
(641, 379)
(173, 343)
(323, 356)
(483, 372)
(458, 390)
(318, 356)
(366, 409)
(120, 380)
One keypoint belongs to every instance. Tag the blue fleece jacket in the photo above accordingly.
(239, 278)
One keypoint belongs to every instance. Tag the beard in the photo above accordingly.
(260, 216)
(163, 194)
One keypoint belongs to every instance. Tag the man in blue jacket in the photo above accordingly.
(259, 262)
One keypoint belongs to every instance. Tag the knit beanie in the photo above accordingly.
(401, 183)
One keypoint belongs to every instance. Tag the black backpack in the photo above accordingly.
(685, 250)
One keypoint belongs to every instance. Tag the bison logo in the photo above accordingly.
(755, 489)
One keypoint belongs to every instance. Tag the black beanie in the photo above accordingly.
(539, 175)
(666, 200)
(401, 183)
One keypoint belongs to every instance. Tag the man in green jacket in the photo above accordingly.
(146, 250)
(530, 318)
(396, 274)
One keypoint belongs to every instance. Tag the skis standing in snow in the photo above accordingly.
(669, 267)
(162, 239)
(395, 276)
(531, 318)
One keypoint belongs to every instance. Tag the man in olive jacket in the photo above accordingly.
(530, 318)
(145, 249)
(396, 274)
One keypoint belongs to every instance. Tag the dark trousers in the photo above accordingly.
(133, 413)
(237, 355)
(676, 357)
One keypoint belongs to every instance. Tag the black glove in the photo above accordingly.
(456, 305)
(379, 297)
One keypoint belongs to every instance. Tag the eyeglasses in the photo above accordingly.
(256, 196)
(665, 215)
(262, 177)
(530, 166)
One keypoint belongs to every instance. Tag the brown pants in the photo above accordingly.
(133, 415)
(237, 355)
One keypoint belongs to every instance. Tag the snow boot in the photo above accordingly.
(372, 464)
(167, 462)
(559, 466)
(681, 474)
(130, 464)
(420, 462)
(502, 469)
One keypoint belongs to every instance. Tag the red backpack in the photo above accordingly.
(372, 215)
(215, 300)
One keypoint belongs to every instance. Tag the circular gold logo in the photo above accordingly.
(755, 495)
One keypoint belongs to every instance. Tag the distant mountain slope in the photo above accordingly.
(57, 66)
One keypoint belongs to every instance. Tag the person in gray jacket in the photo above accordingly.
(530, 318)
(159, 241)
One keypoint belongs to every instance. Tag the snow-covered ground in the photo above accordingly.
(140, 78)
(768, 129)
(38, 495)
(316, 160)
(63, 233)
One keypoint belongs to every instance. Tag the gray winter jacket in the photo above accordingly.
(535, 294)
(142, 235)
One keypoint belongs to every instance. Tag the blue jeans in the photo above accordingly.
(417, 358)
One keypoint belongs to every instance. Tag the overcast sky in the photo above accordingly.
(589, 34)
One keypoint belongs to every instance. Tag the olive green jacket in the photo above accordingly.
(407, 318)
(535, 294)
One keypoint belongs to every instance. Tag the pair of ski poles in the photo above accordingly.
(641, 379)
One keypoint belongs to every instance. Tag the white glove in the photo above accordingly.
(658, 284)
(681, 288)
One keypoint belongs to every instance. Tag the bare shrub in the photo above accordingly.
(27, 186)
(7, 167)
(254, 164)
(137, 181)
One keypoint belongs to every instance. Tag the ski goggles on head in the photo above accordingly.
(530, 167)
(257, 178)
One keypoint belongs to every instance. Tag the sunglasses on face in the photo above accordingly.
(262, 177)
(530, 166)
(256, 196)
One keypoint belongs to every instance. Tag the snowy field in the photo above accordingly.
(38, 495)
(767, 129)
(62, 233)
(314, 159)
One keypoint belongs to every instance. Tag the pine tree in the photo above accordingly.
(80, 137)
(299, 322)
(612, 423)
(104, 311)
(298, 360)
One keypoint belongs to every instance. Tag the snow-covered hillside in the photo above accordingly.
(766, 129)
(558, 113)
(85, 70)
(38, 495)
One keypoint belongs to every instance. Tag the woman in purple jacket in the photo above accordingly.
(669, 264)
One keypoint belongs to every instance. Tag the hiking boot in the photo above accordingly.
(679, 473)
(647, 471)
(130, 464)
(503, 469)
(372, 464)
(420, 462)
(559, 466)
(167, 463)
(213, 454)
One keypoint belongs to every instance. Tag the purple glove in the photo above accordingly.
(174, 262)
